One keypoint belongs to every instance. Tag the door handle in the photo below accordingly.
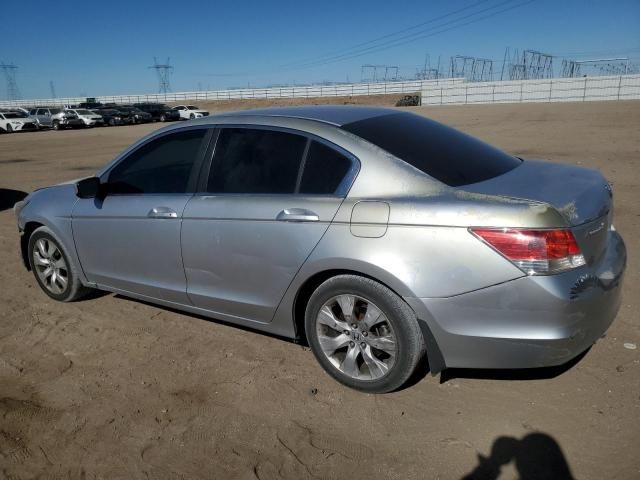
(297, 215)
(162, 212)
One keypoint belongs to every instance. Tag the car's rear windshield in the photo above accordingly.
(445, 154)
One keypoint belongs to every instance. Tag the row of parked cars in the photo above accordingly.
(93, 114)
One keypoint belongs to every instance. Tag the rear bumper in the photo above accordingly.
(533, 321)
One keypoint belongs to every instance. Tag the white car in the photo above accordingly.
(90, 119)
(15, 122)
(189, 112)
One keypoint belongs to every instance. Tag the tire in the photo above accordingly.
(112, 122)
(9, 129)
(56, 125)
(390, 324)
(163, 118)
(45, 249)
(192, 116)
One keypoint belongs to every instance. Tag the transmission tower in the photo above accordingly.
(164, 71)
(601, 66)
(471, 68)
(378, 73)
(9, 70)
(52, 87)
(528, 66)
(428, 72)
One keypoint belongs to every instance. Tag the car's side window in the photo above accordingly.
(42, 111)
(250, 160)
(324, 170)
(161, 166)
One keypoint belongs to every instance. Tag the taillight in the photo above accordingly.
(536, 252)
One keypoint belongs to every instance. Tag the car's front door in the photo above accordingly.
(270, 197)
(128, 239)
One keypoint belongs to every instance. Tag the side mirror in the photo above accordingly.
(88, 187)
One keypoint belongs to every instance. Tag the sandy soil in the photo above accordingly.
(113, 388)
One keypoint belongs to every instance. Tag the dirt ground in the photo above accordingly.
(113, 388)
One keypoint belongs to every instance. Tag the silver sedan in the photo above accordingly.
(379, 237)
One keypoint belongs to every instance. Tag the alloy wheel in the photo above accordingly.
(356, 337)
(50, 266)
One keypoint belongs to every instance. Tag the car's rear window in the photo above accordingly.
(445, 154)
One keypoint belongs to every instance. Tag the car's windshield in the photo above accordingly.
(82, 111)
(444, 153)
(12, 115)
(192, 107)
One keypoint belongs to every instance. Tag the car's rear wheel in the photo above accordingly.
(50, 264)
(363, 334)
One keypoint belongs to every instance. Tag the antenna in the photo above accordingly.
(9, 70)
(164, 71)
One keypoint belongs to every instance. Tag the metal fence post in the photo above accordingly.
(584, 91)
(466, 93)
(521, 87)
(493, 95)
(619, 86)
(441, 100)
(550, 87)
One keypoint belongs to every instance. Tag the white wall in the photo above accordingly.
(351, 89)
(622, 87)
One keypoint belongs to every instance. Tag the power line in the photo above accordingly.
(392, 34)
(419, 35)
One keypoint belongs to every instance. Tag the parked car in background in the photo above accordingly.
(16, 122)
(90, 105)
(135, 114)
(111, 117)
(189, 112)
(55, 117)
(90, 119)
(159, 111)
(379, 236)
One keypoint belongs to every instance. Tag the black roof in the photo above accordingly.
(338, 115)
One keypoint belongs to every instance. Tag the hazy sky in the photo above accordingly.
(100, 48)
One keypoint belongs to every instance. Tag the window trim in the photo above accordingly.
(341, 192)
(194, 174)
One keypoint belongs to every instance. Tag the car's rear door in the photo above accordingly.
(268, 199)
(129, 239)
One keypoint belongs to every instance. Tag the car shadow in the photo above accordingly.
(9, 197)
(536, 456)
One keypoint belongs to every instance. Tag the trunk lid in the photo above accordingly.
(581, 195)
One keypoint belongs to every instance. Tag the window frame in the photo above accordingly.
(196, 168)
(341, 192)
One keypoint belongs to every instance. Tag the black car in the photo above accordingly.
(135, 114)
(159, 111)
(111, 116)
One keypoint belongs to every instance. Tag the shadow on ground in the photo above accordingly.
(537, 456)
(9, 197)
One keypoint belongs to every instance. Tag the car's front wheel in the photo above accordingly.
(50, 264)
(363, 334)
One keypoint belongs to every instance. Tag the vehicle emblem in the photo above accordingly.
(590, 233)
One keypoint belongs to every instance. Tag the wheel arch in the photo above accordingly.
(29, 228)
(312, 282)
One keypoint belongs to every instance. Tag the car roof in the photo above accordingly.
(337, 115)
